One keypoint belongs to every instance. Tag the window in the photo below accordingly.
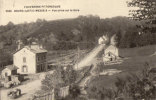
(6, 74)
(38, 68)
(44, 57)
(111, 59)
(24, 59)
(38, 58)
(41, 68)
(24, 68)
(109, 54)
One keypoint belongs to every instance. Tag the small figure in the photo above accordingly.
(13, 94)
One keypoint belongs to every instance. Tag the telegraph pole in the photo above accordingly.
(78, 54)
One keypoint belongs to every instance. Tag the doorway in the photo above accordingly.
(6, 74)
(24, 68)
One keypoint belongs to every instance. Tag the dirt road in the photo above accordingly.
(86, 61)
(27, 89)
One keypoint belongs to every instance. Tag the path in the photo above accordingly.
(27, 89)
(87, 79)
(86, 61)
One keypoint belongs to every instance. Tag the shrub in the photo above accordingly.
(137, 86)
(134, 87)
(74, 91)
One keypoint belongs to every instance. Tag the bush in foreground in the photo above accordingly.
(133, 87)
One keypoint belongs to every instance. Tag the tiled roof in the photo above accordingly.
(36, 50)
(11, 67)
(110, 53)
(111, 47)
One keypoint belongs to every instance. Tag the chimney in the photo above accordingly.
(34, 45)
(19, 42)
(40, 46)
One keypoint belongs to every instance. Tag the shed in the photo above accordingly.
(113, 49)
(102, 40)
(109, 57)
(9, 70)
(111, 54)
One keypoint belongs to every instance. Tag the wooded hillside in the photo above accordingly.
(66, 34)
(62, 34)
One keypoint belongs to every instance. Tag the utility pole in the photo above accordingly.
(78, 54)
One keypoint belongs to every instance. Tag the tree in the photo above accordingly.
(89, 26)
(53, 81)
(10, 24)
(145, 12)
(69, 75)
(118, 38)
(74, 91)
(61, 77)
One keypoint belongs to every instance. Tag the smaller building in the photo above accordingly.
(9, 70)
(103, 40)
(111, 54)
(109, 57)
(113, 49)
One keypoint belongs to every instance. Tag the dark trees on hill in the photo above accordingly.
(68, 34)
(146, 14)
(5, 58)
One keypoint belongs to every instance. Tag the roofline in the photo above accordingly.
(11, 69)
(6, 67)
(29, 50)
(18, 50)
(111, 53)
(112, 45)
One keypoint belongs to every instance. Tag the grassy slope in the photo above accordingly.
(135, 63)
(137, 51)
(66, 56)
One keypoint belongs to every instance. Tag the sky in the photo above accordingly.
(101, 8)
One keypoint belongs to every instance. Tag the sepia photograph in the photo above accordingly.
(77, 49)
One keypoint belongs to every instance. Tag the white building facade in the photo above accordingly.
(30, 59)
(110, 54)
(113, 49)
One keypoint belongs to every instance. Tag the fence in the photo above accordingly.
(63, 92)
(47, 96)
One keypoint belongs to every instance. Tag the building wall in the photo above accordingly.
(30, 62)
(100, 41)
(6, 71)
(108, 57)
(103, 40)
(41, 62)
(112, 49)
